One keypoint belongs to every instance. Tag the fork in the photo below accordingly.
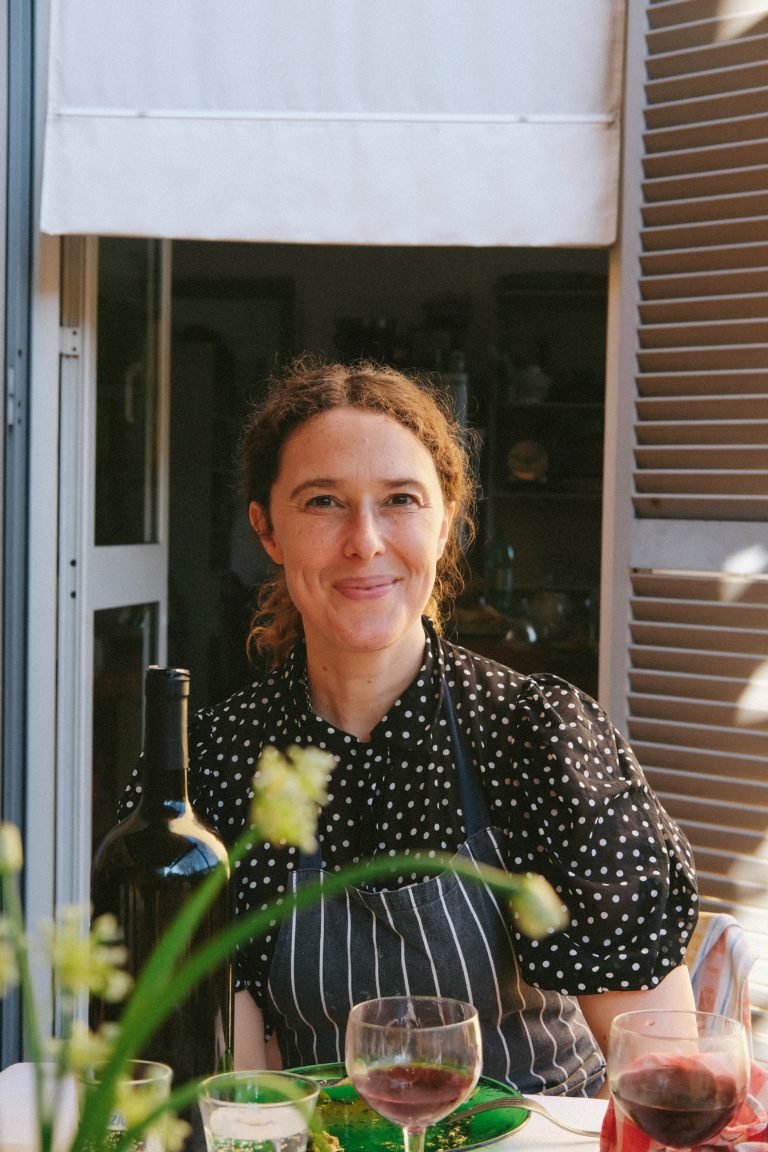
(527, 1104)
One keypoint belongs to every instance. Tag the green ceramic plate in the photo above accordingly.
(358, 1129)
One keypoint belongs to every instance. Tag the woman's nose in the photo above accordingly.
(364, 538)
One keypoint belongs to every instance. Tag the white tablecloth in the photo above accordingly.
(17, 1123)
(17, 1111)
(540, 1133)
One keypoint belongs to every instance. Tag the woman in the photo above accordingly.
(360, 492)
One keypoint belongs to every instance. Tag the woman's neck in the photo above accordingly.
(354, 691)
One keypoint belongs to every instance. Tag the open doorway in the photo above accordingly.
(516, 334)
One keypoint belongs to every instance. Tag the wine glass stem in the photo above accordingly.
(414, 1139)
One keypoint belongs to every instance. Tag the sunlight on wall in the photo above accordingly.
(748, 561)
(740, 568)
(752, 705)
(736, 21)
(738, 574)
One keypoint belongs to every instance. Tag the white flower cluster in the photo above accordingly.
(288, 791)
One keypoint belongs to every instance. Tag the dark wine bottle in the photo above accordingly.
(149, 864)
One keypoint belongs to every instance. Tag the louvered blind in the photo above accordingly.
(702, 381)
(698, 721)
(697, 660)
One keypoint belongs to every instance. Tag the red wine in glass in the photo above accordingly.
(413, 1059)
(678, 1103)
(414, 1095)
(680, 1077)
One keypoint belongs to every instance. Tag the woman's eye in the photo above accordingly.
(403, 499)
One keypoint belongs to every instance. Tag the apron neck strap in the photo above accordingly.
(473, 804)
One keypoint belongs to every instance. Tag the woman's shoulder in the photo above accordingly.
(464, 667)
(544, 711)
(234, 717)
(471, 671)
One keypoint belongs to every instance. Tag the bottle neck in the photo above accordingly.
(165, 755)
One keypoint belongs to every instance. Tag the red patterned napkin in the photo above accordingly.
(749, 1130)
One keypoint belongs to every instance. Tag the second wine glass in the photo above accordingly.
(413, 1059)
(679, 1076)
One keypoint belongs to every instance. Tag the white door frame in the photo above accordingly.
(42, 594)
(88, 577)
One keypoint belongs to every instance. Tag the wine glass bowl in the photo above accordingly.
(413, 1059)
(679, 1076)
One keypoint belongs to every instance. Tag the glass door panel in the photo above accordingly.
(127, 393)
(114, 570)
(124, 643)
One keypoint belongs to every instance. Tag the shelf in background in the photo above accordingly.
(512, 408)
(531, 492)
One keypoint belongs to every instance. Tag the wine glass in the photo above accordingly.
(413, 1059)
(680, 1076)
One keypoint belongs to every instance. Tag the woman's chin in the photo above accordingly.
(369, 631)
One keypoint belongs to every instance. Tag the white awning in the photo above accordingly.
(455, 122)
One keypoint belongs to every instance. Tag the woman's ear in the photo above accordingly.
(445, 528)
(261, 525)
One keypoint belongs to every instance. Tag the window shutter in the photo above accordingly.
(698, 699)
(702, 406)
(694, 591)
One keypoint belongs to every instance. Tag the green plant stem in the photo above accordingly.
(168, 985)
(209, 955)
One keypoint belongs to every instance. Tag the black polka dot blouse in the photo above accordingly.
(560, 784)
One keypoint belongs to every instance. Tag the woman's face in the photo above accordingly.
(358, 521)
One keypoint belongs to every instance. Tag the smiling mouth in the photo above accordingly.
(366, 589)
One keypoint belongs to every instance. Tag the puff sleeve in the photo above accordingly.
(583, 814)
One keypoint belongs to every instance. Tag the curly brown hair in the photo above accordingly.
(308, 389)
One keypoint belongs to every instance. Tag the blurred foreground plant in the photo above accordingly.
(289, 789)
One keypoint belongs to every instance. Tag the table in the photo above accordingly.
(539, 1133)
(17, 1122)
(17, 1125)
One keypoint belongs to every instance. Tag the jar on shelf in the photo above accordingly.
(500, 574)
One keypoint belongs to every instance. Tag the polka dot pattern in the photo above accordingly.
(561, 785)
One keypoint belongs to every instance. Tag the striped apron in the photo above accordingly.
(445, 936)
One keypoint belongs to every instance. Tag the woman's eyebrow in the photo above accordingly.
(319, 482)
(406, 482)
(328, 482)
